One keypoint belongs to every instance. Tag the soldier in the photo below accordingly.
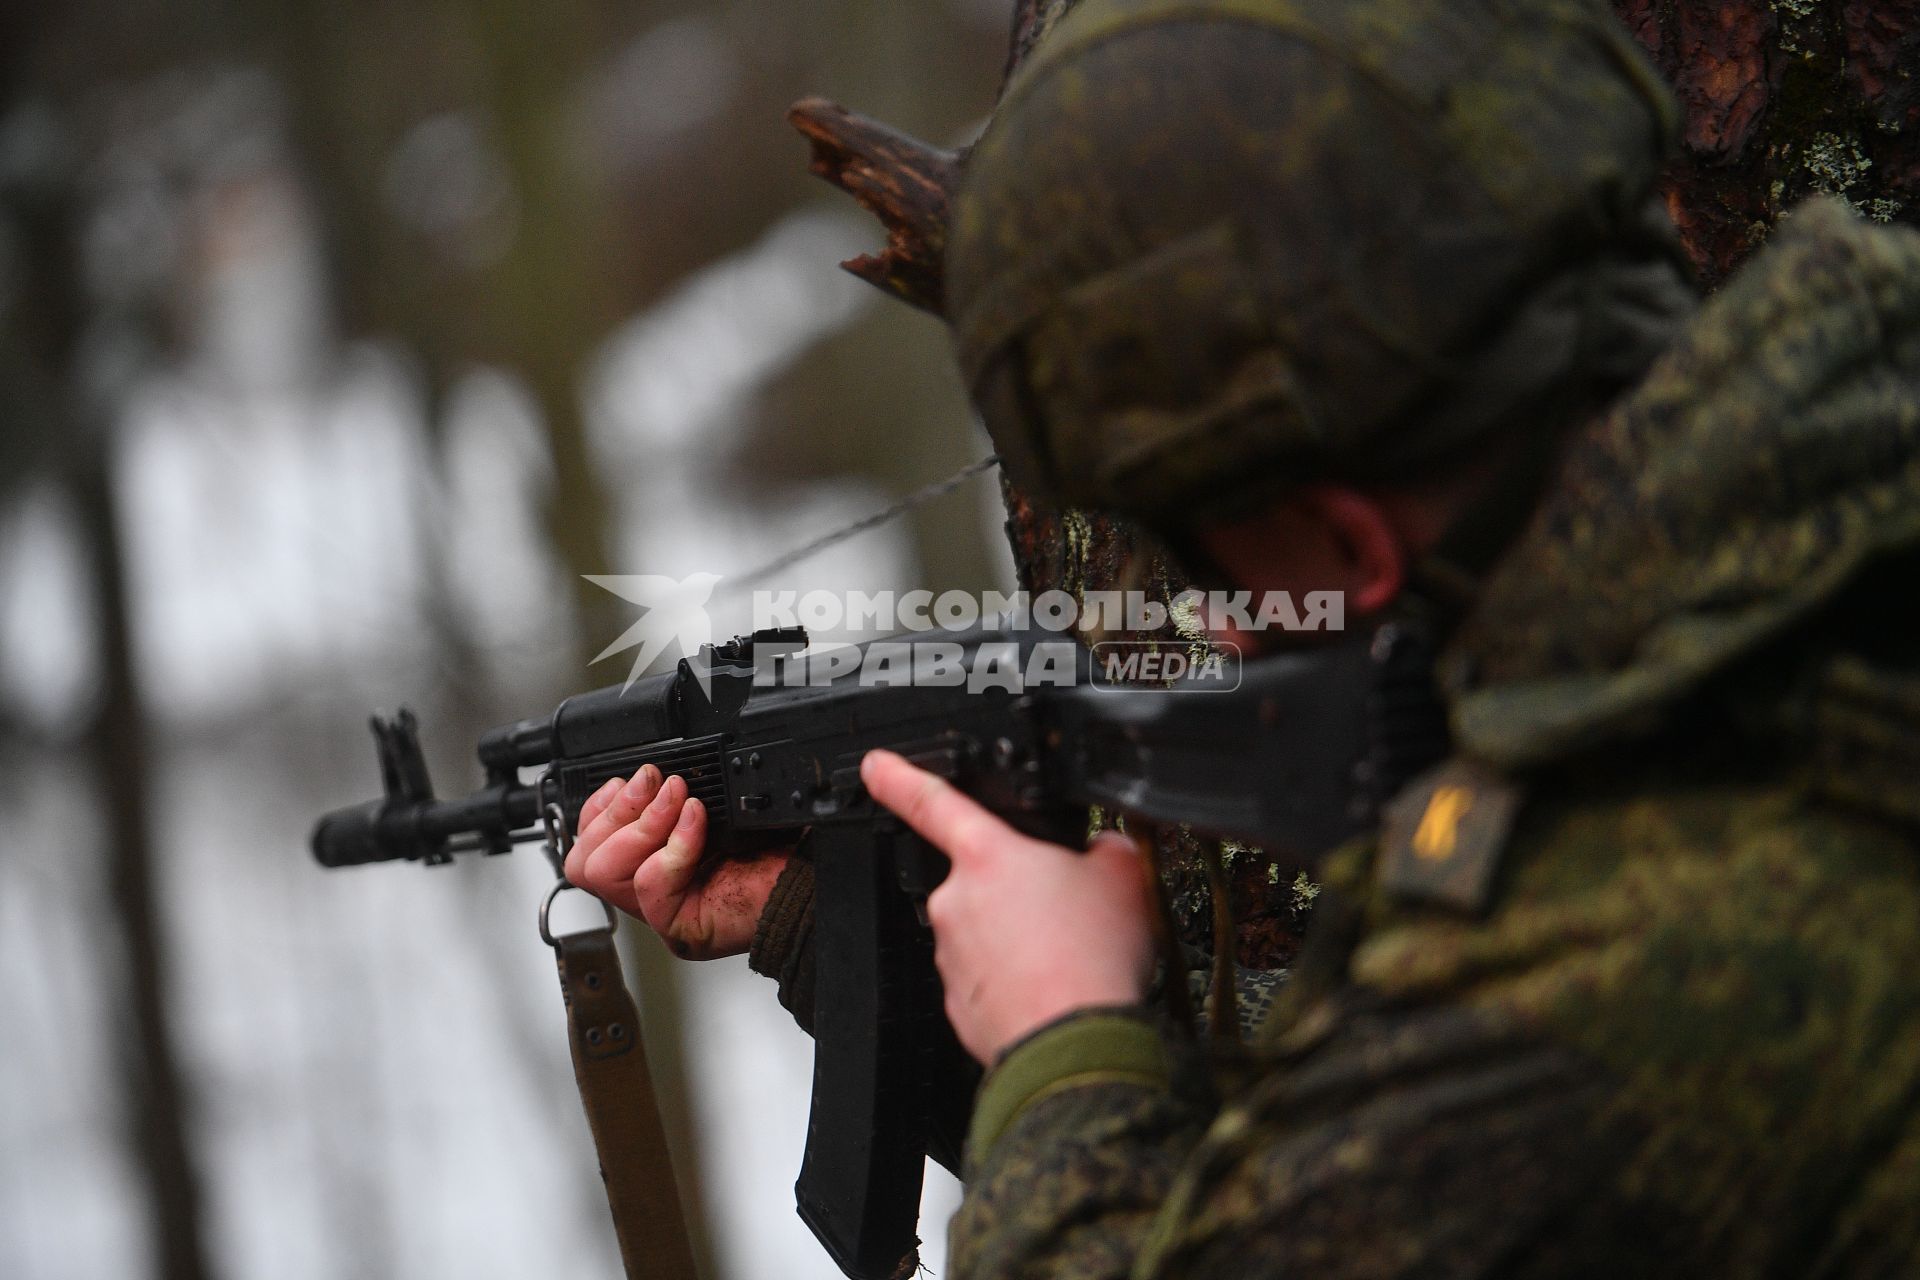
(1374, 296)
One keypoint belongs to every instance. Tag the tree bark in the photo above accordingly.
(901, 181)
(1779, 102)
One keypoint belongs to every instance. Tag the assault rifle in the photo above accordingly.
(1296, 754)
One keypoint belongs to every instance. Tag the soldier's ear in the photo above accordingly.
(1320, 537)
(1365, 544)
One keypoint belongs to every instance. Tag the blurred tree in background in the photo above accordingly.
(493, 186)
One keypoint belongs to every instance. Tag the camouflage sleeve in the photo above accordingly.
(1414, 1142)
(1077, 1136)
(1683, 1046)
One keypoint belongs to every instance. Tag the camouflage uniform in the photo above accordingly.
(1674, 1027)
(1630, 986)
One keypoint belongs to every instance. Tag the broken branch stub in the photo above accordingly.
(902, 181)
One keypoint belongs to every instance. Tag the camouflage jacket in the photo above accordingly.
(1632, 986)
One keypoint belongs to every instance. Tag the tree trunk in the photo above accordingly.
(1781, 101)
(154, 1096)
(52, 389)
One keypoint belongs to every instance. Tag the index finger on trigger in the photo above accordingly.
(932, 806)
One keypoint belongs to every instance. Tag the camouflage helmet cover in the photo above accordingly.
(1208, 242)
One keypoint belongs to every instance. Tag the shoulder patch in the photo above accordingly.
(1441, 838)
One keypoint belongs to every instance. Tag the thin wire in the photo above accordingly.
(918, 498)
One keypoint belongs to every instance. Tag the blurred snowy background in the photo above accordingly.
(337, 341)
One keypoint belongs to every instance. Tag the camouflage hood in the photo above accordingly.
(1768, 459)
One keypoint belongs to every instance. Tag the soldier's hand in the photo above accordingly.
(639, 849)
(1024, 932)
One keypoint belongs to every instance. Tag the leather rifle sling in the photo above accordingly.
(610, 1064)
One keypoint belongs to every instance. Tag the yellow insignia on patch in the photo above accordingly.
(1441, 838)
(1439, 830)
